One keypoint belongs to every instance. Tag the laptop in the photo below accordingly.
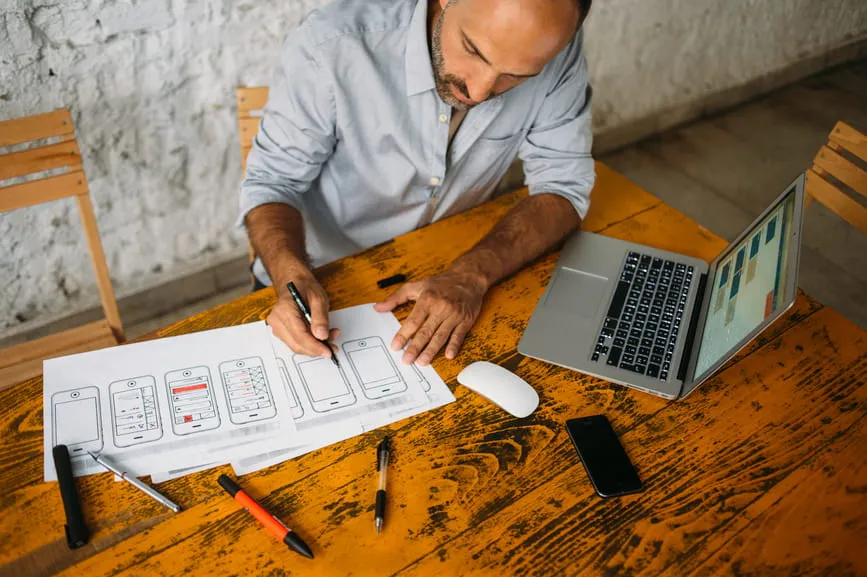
(659, 321)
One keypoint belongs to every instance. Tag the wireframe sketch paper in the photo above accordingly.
(168, 403)
(372, 387)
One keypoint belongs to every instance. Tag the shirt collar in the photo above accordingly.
(419, 70)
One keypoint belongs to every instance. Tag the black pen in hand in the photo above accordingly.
(305, 311)
(381, 466)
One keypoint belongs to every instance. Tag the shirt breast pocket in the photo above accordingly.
(491, 156)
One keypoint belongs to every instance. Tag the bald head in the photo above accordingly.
(482, 48)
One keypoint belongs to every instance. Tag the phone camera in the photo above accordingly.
(240, 363)
(187, 373)
(362, 343)
(131, 384)
(75, 394)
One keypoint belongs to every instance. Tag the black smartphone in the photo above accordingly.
(607, 464)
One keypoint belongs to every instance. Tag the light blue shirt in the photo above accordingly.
(355, 135)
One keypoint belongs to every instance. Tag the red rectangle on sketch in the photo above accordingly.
(189, 388)
(769, 304)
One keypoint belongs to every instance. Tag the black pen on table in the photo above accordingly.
(381, 466)
(305, 311)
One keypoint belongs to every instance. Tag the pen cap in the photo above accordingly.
(382, 454)
(228, 484)
(76, 531)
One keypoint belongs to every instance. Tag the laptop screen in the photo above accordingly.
(750, 284)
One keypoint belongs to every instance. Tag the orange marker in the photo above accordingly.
(271, 523)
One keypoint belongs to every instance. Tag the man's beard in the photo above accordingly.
(445, 81)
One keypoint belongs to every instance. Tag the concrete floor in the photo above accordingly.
(724, 170)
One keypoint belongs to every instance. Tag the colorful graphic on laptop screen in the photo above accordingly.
(749, 286)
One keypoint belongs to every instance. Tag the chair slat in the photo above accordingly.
(245, 151)
(842, 169)
(837, 202)
(28, 129)
(54, 345)
(30, 355)
(850, 140)
(62, 154)
(248, 129)
(42, 190)
(251, 99)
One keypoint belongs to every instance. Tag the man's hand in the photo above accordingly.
(289, 324)
(446, 306)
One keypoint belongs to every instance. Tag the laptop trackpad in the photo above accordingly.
(577, 292)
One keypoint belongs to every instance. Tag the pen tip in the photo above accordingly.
(296, 544)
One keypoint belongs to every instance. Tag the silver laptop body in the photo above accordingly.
(659, 321)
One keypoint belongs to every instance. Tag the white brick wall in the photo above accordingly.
(150, 85)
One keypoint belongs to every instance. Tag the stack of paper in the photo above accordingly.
(238, 395)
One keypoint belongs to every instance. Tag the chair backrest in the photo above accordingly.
(53, 150)
(838, 175)
(251, 102)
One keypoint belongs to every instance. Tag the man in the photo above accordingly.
(372, 131)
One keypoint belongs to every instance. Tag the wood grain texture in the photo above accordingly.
(836, 201)
(57, 123)
(33, 160)
(24, 361)
(829, 162)
(735, 474)
(251, 99)
(42, 190)
(100, 268)
(850, 140)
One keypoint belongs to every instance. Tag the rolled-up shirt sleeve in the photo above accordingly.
(557, 150)
(296, 133)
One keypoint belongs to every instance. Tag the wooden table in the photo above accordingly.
(761, 471)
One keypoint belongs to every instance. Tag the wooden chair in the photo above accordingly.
(836, 175)
(251, 102)
(58, 149)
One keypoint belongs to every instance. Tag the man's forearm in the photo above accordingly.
(276, 232)
(527, 231)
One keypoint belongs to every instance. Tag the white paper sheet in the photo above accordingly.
(372, 388)
(168, 403)
(163, 476)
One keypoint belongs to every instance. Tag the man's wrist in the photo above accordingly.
(478, 267)
(289, 268)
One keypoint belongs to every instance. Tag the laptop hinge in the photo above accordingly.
(693, 325)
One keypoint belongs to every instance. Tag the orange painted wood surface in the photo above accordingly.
(759, 472)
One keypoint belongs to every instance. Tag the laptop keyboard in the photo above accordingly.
(644, 319)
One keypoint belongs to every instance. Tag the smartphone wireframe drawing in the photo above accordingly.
(373, 367)
(192, 402)
(248, 394)
(325, 384)
(424, 384)
(77, 420)
(135, 414)
(295, 407)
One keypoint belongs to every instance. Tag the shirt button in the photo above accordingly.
(443, 118)
(434, 180)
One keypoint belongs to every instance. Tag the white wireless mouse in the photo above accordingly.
(500, 386)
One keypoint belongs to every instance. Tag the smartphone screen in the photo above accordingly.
(134, 411)
(604, 458)
(246, 385)
(323, 379)
(76, 422)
